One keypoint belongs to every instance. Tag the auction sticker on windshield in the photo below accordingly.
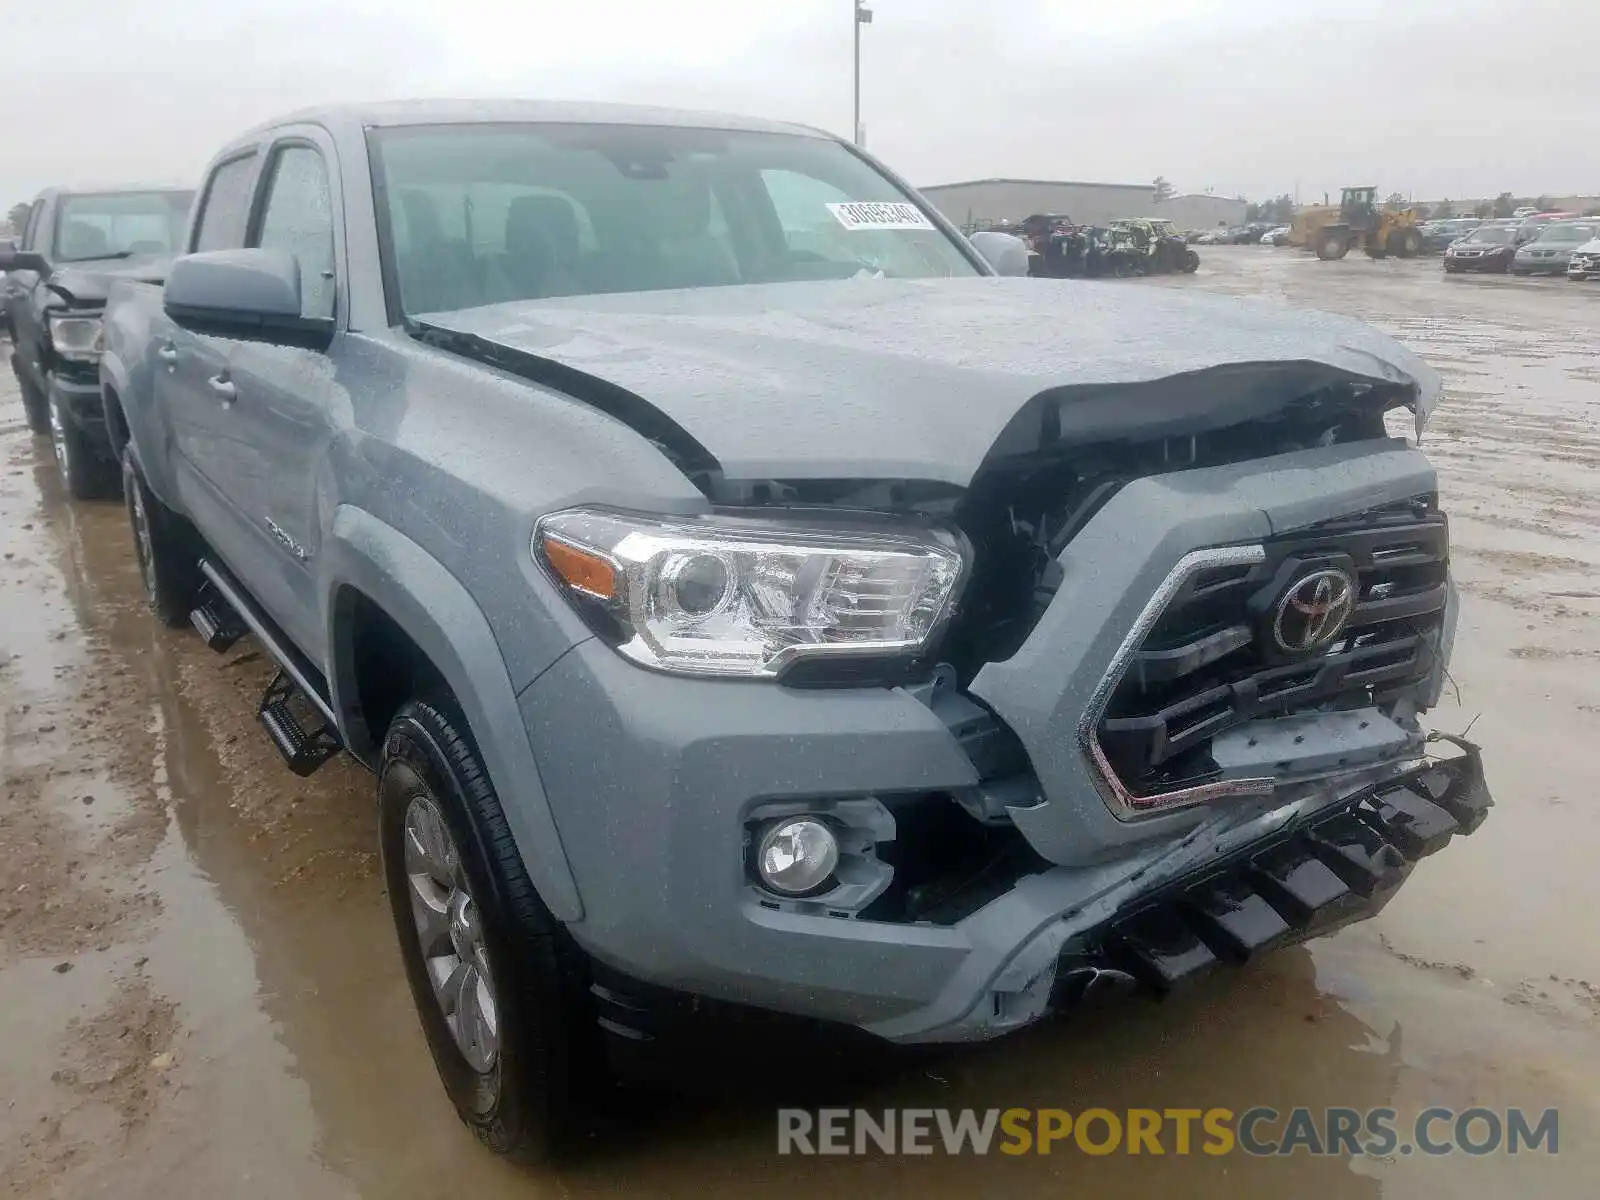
(879, 216)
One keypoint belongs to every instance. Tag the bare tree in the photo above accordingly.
(1163, 189)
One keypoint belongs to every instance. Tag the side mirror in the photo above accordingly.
(12, 259)
(253, 294)
(1006, 253)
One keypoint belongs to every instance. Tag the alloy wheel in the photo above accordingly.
(450, 934)
(144, 549)
(58, 441)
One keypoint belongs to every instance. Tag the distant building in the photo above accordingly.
(985, 201)
(1200, 212)
(982, 201)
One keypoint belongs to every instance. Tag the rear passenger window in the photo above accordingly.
(226, 208)
(298, 217)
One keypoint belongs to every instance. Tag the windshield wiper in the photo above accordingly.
(101, 257)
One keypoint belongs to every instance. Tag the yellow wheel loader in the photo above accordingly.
(1330, 232)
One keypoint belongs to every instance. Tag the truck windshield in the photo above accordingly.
(120, 225)
(478, 214)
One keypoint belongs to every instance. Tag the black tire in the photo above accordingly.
(1405, 243)
(1191, 262)
(168, 551)
(1332, 247)
(85, 471)
(33, 400)
(541, 1093)
(1375, 251)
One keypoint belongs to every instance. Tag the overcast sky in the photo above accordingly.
(1430, 97)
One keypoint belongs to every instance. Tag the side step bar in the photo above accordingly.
(305, 746)
(215, 622)
(295, 710)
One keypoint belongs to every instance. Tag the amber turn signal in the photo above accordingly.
(582, 570)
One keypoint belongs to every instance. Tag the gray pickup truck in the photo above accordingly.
(74, 244)
(746, 591)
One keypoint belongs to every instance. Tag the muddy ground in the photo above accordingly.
(200, 995)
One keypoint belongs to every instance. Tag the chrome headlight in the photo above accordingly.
(76, 338)
(732, 596)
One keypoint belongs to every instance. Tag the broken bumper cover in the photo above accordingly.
(1308, 877)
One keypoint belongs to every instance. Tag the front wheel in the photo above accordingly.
(499, 986)
(1405, 243)
(1191, 262)
(1332, 246)
(34, 403)
(85, 473)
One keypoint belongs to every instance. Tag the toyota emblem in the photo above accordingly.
(1314, 611)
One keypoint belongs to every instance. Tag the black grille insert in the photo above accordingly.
(1211, 662)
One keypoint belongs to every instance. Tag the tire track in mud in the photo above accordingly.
(79, 827)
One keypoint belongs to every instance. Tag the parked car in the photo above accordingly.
(729, 621)
(75, 244)
(1525, 211)
(1585, 261)
(1438, 235)
(1528, 227)
(1551, 248)
(1276, 236)
(1487, 248)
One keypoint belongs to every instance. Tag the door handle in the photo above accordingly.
(167, 353)
(223, 388)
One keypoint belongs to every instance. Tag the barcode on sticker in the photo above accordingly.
(864, 215)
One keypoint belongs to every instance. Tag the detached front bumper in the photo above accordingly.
(1337, 865)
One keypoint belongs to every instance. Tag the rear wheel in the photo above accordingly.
(500, 988)
(166, 547)
(1191, 262)
(1332, 246)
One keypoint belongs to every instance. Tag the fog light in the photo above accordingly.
(797, 856)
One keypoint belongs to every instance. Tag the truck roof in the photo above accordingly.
(95, 189)
(456, 112)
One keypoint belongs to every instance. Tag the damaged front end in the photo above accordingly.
(1188, 672)
(1170, 716)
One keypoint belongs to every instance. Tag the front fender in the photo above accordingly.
(433, 608)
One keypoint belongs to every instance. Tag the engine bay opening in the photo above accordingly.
(1022, 508)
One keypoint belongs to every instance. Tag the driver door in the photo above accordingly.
(283, 402)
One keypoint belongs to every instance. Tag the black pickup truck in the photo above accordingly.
(74, 245)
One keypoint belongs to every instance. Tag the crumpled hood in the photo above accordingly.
(919, 379)
(87, 283)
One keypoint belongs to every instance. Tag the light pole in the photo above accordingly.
(863, 16)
